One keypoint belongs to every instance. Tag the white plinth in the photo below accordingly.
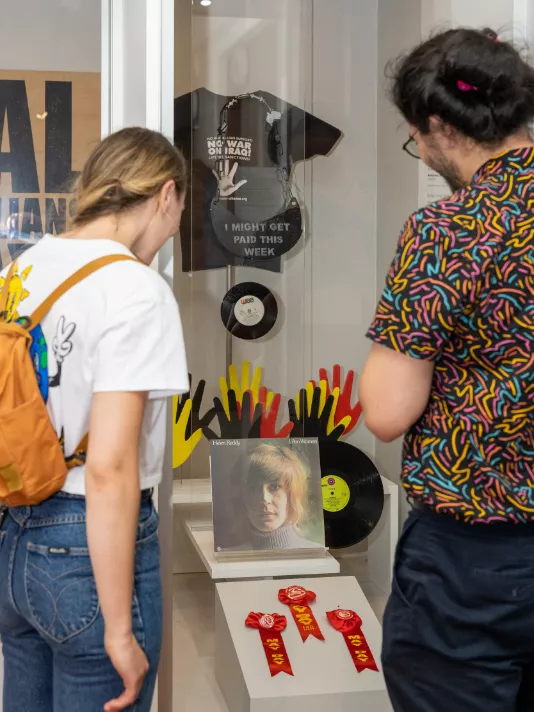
(202, 540)
(324, 675)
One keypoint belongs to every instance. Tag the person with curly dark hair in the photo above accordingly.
(452, 366)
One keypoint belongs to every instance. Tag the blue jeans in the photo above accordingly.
(459, 625)
(51, 625)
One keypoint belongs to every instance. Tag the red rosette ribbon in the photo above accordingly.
(297, 598)
(270, 627)
(349, 624)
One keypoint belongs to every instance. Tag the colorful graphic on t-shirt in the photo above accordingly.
(460, 292)
(17, 292)
(39, 356)
(61, 348)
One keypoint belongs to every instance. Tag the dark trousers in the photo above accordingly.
(459, 626)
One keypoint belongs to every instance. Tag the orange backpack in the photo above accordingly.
(32, 463)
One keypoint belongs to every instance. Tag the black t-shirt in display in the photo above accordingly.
(241, 161)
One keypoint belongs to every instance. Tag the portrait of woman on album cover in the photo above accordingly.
(270, 500)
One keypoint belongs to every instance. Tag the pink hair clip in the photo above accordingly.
(463, 86)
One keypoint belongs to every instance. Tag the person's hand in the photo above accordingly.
(312, 413)
(188, 424)
(344, 406)
(242, 422)
(131, 663)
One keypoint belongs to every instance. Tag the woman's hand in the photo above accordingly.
(131, 663)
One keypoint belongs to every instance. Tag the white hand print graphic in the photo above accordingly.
(62, 344)
(225, 177)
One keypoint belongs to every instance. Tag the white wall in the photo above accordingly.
(499, 15)
(51, 35)
(397, 185)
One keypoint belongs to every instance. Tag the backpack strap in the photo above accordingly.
(5, 291)
(41, 311)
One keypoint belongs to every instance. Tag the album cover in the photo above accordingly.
(267, 495)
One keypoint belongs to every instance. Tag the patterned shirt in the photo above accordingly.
(460, 292)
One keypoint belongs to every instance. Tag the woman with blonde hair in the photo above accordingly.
(80, 593)
(275, 492)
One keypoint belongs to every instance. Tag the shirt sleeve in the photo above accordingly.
(309, 136)
(183, 107)
(141, 348)
(428, 285)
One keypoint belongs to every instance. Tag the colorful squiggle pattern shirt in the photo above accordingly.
(460, 292)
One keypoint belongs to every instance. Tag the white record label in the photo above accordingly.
(249, 310)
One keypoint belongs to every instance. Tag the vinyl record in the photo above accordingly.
(249, 310)
(353, 495)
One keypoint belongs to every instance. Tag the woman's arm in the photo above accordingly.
(113, 500)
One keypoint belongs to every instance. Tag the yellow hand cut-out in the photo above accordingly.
(241, 386)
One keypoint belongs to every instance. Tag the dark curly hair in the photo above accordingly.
(470, 80)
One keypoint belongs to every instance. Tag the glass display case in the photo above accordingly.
(274, 266)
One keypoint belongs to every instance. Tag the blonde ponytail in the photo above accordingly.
(124, 170)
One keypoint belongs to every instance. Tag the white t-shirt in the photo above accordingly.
(117, 330)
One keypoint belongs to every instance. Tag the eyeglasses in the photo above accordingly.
(411, 148)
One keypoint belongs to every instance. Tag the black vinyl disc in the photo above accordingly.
(353, 495)
(249, 310)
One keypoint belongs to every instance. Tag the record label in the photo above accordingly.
(336, 493)
(353, 494)
(249, 310)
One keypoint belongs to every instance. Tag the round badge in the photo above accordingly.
(336, 493)
(249, 310)
(295, 592)
(267, 621)
(345, 615)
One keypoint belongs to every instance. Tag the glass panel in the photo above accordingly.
(240, 116)
(49, 114)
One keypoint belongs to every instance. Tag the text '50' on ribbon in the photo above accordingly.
(298, 600)
(350, 626)
(270, 627)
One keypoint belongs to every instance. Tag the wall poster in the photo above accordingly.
(49, 122)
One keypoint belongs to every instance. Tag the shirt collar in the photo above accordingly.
(508, 162)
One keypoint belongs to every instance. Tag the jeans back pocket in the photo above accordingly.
(60, 590)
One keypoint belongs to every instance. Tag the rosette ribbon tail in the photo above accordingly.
(298, 600)
(270, 627)
(349, 624)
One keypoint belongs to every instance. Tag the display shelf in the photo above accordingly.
(202, 539)
(193, 505)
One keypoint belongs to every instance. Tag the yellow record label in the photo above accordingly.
(336, 493)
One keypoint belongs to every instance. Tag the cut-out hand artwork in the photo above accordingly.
(344, 407)
(312, 414)
(188, 424)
